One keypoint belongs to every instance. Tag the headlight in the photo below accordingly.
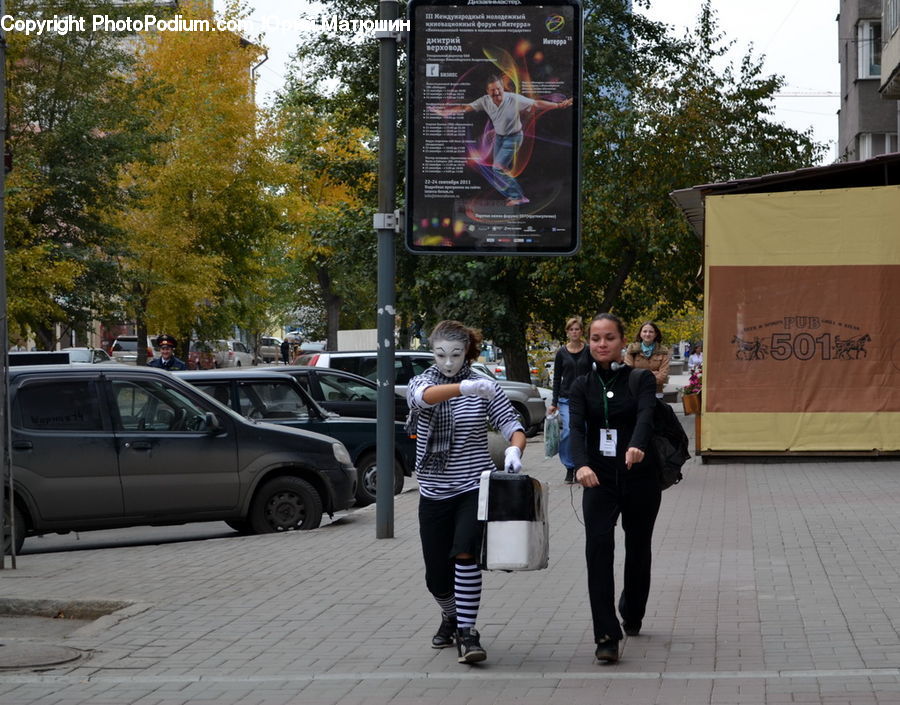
(341, 454)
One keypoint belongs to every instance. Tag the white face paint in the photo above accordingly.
(449, 356)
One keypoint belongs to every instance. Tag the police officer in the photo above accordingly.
(167, 359)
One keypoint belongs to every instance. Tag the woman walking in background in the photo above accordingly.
(610, 436)
(571, 360)
(451, 407)
(648, 353)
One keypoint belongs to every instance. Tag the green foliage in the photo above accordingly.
(203, 219)
(72, 123)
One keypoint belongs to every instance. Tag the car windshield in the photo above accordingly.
(126, 345)
(336, 388)
(80, 356)
(271, 400)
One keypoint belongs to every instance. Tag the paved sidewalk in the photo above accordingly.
(773, 583)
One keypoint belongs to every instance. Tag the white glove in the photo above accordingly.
(483, 388)
(512, 461)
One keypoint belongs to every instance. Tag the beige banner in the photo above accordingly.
(802, 321)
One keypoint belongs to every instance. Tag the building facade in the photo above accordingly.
(868, 117)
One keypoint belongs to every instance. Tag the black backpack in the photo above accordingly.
(668, 440)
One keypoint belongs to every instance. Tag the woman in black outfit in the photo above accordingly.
(610, 432)
(571, 361)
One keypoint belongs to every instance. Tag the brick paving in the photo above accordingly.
(773, 583)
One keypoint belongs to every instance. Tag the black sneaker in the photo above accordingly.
(445, 634)
(570, 476)
(468, 647)
(607, 650)
(631, 628)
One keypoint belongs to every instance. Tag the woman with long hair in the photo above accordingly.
(571, 360)
(648, 353)
(610, 436)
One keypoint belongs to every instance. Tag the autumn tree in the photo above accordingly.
(73, 122)
(658, 114)
(194, 241)
(327, 165)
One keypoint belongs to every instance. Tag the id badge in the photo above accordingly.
(608, 441)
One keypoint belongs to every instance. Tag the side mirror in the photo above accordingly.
(213, 427)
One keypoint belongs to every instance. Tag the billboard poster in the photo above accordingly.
(493, 127)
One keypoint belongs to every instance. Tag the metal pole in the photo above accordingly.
(387, 186)
(6, 487)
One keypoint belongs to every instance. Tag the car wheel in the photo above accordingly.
(20, 532)
(534, 430)
(285, 503)
(367, 471)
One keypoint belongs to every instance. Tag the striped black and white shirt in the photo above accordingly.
(469, 455)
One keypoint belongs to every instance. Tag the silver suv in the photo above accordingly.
(525, 398)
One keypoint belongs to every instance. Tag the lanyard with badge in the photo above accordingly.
(608, 435)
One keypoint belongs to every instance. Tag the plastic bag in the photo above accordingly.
(551, 434)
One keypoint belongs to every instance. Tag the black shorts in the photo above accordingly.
(448, 527)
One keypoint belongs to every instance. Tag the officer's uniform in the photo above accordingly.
(173, 363)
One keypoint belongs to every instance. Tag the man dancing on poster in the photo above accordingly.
(503, 110)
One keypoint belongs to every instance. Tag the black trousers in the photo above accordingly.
(637, 498)
(447, 528)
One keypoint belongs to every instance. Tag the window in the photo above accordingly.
(868, 39)
(71, 405)
(891, 16)
(271, 400)
(151, 406)
(872, 144)
(342, 389)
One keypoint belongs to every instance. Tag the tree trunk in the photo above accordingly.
(615, 286)
(333, 304)
(140, 329)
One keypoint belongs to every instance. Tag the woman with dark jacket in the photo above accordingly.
(571, 360)
(610, 434)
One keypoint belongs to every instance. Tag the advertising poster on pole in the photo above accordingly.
(493, 153)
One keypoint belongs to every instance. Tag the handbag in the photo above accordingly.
(551, 434)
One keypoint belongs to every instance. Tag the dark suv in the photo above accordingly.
(275, 397)
(105, 446)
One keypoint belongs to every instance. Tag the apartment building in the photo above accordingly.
(868, 116)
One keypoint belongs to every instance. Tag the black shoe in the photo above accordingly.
(445, 634)
(607, 650)
(570, 476)
(631, 629)
(468, 647)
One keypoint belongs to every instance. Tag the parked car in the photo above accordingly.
(125, 349)
(342, 392)
(87, 356)
(75, 356)
(525, 398)
(105, 446)
(269, 349)
(233, 353)
(272, 396)
(352, 395)
(200, 356)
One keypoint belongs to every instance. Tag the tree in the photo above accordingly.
(73, 122)
(326, 200)
(657, 116)
(203, 217)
